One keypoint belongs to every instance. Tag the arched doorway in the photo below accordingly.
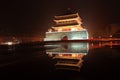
(64, 38)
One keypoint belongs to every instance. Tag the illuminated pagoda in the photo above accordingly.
(67, 27)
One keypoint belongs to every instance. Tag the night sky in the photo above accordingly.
(34, 17)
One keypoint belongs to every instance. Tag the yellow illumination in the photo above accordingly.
(60, 55)
(9, 43)
(74, 55)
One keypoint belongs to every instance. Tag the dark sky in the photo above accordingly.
(34, 17)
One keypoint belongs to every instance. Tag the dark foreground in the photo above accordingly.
(32, 62)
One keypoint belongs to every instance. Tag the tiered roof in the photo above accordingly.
(67, 20)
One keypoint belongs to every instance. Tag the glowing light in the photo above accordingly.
(9, 43)
(60, 55)
(73, 29)
(74, 55)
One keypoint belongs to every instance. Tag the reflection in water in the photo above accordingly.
(102, 44)
(69, 56)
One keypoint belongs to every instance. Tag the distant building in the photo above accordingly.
(113, 30)
(67, 27)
